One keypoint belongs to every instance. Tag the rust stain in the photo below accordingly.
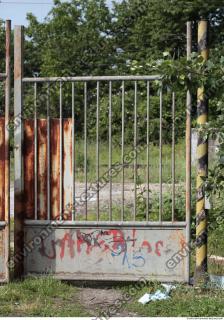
(67, 167)
(2, 169)
(42, 169)
(29, 168)
(55, 168)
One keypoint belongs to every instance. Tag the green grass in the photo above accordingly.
(45, 296)
(40, 297)
(184, 302)
(141, 161)
(216, 247)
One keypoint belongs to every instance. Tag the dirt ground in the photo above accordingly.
(96, 300)
(104, 194)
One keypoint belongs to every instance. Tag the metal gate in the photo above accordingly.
(76, 226)
(4, 162)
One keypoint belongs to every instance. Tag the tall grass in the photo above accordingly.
(129, 170)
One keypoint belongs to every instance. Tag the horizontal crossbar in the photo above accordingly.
(93, 78)
(114, 224)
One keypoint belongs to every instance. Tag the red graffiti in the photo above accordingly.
(147, 245)
(158, 244)
(70, 243)
(90, 239)
(62, 243)
(110, 240)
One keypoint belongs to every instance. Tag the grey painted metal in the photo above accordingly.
(48, 154)
(18, 147)
(173, 155)
(135, 146)
(97, 149)
(85, 148)
(35, 150)
(92, 78)
(61, 153)
(7, 144)
(137, 247)
(106, 253)
(110, 150)
(73, 152)
(3, 263)
(113, 224)
(147, 141)
(160, 157)
(122, 149)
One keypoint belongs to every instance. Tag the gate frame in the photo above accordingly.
(19, 178)
(6, 77)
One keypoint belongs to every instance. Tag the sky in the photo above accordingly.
(16, 10)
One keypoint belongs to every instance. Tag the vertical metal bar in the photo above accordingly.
(135, 146)
(148, 95)
(48, 155)
(73, 152)
(110, 150)
(173, 156)
(160, 157)
(97, 149)
(18, 142)
(85, 147)
(122, 150)
(202, 168)
(35, 151)
(2, 170)
(61, 154)
(7, 155)
(188, 150)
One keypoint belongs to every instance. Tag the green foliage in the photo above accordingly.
(71, 39)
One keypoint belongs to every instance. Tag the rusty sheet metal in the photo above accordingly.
(2, 169)
(55, 169)
(107, 253)
(29, 168)
(42, 169)
(67, 168)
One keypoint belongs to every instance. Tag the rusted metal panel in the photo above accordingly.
(2, 169)
(107, 253)
(29, 168)
(55, 169)
(42, 169)
(67, 169)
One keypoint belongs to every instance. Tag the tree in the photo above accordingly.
(143, 29)
(73, 40)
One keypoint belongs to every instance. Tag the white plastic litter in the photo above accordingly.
(145, 299)
(158, 295)
(168, 287)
